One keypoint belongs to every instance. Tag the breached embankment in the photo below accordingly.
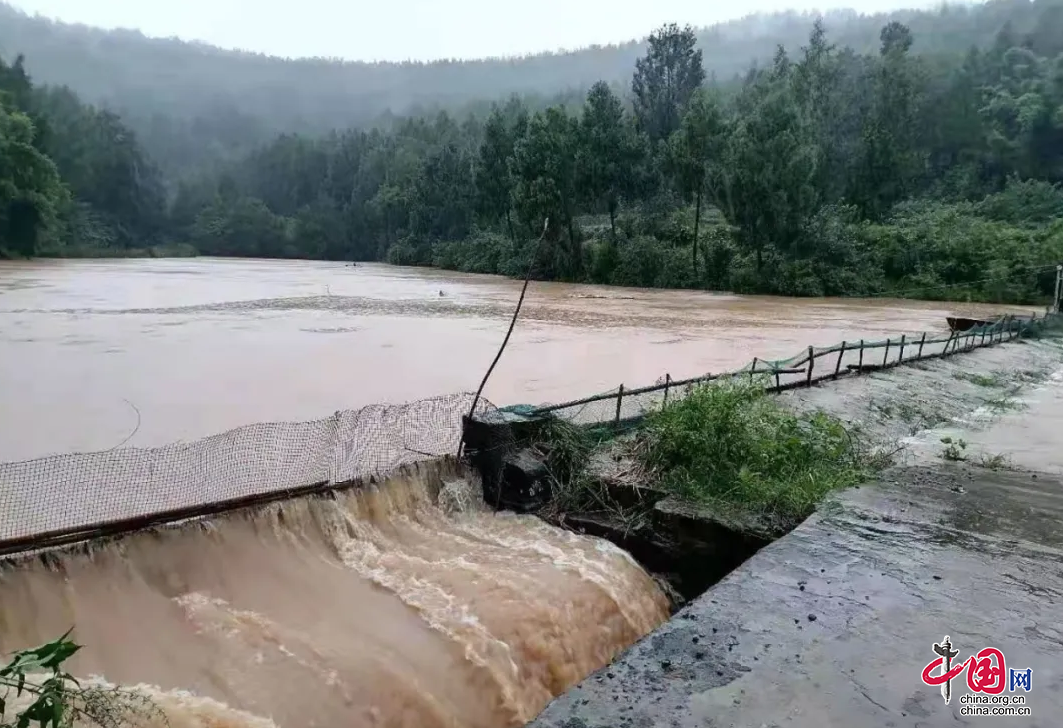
(405, 604)
(833, 624)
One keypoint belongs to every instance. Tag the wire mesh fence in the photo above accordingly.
(813, 365)
(65, 498)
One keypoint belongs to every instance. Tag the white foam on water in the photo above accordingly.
(372, 608)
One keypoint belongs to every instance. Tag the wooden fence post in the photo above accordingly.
(860, 364)
(900, 356)
(886, 355)
(811, 363)
(667, 383)
(945, 351)
(778, 382)
(921, 342)
(619, 401)
(752, 370)
(838, 366)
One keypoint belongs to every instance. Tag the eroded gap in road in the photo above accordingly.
(912, 412)
(688, 547)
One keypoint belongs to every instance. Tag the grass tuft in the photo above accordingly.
(730, 443)
(997, 379)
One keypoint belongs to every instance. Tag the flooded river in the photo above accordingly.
(196, 346)
(408, 604)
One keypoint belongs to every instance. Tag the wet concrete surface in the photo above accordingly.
(833, 624)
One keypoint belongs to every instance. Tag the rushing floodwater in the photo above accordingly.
(403, 606)
(203, 345)
(373, 609)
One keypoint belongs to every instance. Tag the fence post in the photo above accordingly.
(838, 366)
(619, 400)
(982, 343)
(945, 351)
(752, 370)
(778, 382)
(886, 355)
(811, 363)
(667, 383)
(900, 356)
(921, 342)
(860, 364)
(1059, 288)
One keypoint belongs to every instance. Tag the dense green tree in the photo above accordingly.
(494, 183)
(546, 172)
(30, 189)
(890, 161)
(441, 199)
(609, 153)
(697, 163)
(665, 79)
(244, 227)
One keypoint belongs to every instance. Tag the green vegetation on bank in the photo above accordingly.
(729, 443)
(899, 167)
(725, 444)
(36, 691)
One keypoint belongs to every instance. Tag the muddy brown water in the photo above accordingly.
(199, 346)
(386, 607)
(392, 607)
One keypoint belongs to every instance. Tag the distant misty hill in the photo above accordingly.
(179, 95)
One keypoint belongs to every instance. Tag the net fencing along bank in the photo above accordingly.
(62, 499)
(809, 367)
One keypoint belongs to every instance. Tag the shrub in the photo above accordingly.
(35, 686)
(402, 253)
(731, 443)
(1024, 202)
(639, 262)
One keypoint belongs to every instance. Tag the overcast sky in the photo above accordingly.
(414, 29)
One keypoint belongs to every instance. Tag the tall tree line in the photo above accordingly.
(826, 170)
(191, 104)
(72, 177)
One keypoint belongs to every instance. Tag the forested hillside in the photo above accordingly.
(72, 177)
(850, 162)
(191, 104)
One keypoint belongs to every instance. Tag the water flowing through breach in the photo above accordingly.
(405, 604)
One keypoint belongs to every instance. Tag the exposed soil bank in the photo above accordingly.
(833, 623)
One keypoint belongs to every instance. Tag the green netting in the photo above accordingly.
(812, 365)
